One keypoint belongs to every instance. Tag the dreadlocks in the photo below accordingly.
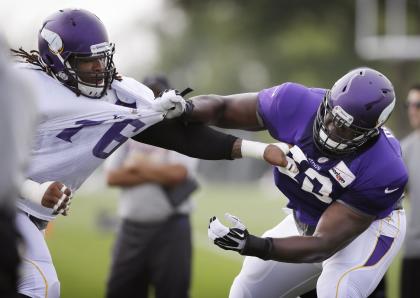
(33, 58)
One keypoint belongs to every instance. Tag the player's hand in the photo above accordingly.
(228, 238)
(275, 154)
(58, 197)
(170, 103)
(299, 157)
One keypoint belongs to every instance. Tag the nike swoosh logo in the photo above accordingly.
(391, 190)
(241, 235)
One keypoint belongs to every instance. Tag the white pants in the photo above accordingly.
(38, 278)
(354, 271)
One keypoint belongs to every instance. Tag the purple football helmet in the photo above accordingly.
(70, 38)
(353, 111)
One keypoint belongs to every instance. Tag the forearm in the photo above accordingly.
(233, 111)
(165, 175)
(195, 140)
(301, 249)
(199, 141)
(295, 249)
(125, 177)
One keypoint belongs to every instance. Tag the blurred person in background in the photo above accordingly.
(87, 111)
(347, 223)
(153, 244)
(17, 121)
(410, 272)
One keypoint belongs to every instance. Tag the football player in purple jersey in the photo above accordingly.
(346, 223)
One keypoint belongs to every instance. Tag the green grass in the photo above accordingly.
(81, 250)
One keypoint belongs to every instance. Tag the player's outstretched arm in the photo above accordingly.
(200, 141)
(338, 226)
(232, 111)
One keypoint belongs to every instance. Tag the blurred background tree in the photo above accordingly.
(242, 45)
(235, 46)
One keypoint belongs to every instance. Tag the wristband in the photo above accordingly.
(33, 191)
(257, 247)
(253, 149)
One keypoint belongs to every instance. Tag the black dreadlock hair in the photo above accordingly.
(33, 57)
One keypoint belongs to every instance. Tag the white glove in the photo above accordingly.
(298, 154)
(228, 238)
(169, 103)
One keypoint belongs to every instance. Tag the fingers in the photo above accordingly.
(66, 210)
(228, 239)
(217, 229)
(176, 99)
(297, 154)
(58, 197)
(235, 221)
(291, 165)
(60, 202)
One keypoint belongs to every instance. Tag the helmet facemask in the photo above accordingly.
(90, 83)
(337, 143)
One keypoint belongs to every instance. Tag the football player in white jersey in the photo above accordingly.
(87, 112)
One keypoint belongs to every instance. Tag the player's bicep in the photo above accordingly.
(242, 110)
(340, 224)
(232, 111)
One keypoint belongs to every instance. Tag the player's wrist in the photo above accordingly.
(34, 191)
(189, 108)
(188, 111)
(258, 150)
(257, 247)
(253, 149)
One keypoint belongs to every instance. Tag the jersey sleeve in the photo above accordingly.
(286, 109)
(132, 93)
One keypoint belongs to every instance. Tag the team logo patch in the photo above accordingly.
(54, 41)
(342, 174)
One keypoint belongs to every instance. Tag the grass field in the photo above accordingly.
(81, 249)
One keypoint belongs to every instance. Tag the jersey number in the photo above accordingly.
(313, 182)
(114, 137)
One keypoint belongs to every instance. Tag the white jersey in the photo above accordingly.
(77, 133)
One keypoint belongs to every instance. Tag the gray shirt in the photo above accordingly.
(411, 153)
(17, 125)
(148, 202)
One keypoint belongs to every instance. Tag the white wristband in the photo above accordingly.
(253, 149)
(33, 191)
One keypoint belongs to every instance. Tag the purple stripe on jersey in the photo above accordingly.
(382, 246)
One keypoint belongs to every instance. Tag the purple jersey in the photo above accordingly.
(371, 181)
